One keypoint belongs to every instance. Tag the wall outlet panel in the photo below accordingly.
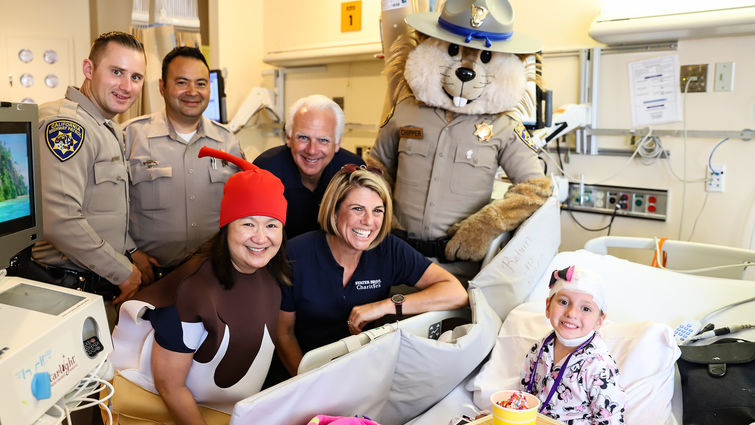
(651, 204)
(699, 71)
(715, 182)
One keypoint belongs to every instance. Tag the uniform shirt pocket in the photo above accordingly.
(221, 174)
(108, 194)
(473, 169)
(151, 185)
(413, 166)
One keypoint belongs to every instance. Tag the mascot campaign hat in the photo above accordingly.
(575, 278)
(479, 24)
(252, 191)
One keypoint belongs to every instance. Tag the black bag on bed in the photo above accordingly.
(718, 382)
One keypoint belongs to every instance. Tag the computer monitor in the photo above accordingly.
(216, 107)
(20, 194)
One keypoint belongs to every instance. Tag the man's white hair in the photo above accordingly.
(318, 102)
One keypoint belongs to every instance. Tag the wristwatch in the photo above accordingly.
(131, 252)
(398, 299)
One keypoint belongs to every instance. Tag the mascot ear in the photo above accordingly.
(394, 70)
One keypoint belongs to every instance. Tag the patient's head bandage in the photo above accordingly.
(575, 278)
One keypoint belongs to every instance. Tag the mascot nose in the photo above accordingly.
(465, 74)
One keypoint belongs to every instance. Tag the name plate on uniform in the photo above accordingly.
(411, 133)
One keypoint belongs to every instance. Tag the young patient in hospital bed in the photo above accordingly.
(571, 370)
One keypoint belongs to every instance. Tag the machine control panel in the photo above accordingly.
(92, 346)
(623, 201)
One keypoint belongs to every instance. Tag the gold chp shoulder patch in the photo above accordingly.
(524, 136)
(64, 138)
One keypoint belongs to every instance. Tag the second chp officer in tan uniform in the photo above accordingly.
(175, 196)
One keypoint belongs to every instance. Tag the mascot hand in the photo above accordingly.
(473, 235)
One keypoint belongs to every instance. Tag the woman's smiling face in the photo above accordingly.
(360, 217)
(253, 242)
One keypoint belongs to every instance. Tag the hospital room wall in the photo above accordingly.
(724, 218)
(45, 23)
(236, 46)
(727, 218)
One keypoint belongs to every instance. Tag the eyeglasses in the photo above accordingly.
(350, 168)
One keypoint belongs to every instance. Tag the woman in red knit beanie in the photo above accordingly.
(205, 334)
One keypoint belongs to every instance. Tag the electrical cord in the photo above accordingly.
(649, 149)
(684, 160)
(80, 397)
(607, 226)
(705, 199)
(721, 331)
(558, 151)
(640, 145)
(710, 157)
(699, 214)
(708, 316)
(671, 169)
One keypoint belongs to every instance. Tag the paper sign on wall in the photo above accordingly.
(351, 16)
(654, 91)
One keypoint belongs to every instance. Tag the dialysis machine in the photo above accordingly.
(50, 337)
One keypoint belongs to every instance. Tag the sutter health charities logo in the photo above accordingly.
(367, 284)
(64, 369)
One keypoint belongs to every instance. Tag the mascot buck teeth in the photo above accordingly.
(457, 80)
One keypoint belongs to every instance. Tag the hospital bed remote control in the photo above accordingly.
(686, 330)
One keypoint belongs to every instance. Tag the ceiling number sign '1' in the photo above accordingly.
(351, 16)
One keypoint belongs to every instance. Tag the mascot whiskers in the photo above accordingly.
(458, 80)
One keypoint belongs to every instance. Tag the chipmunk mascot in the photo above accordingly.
(457, 77)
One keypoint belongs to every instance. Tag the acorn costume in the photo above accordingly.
(230, 331)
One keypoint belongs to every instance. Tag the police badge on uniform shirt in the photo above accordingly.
(64, 138)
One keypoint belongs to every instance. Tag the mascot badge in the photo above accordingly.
(457, 79)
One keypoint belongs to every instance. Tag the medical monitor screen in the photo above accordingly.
(19, 201)
(15, 152)
(216, 107)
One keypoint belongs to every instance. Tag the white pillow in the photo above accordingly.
(645, 353)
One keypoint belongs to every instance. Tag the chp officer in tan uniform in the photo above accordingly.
(175, 196)
(85, 178)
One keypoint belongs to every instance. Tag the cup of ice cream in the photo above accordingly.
(511, 407)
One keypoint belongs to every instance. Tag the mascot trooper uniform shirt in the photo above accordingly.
(444, 171)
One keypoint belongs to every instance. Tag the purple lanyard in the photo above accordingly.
(557, 381)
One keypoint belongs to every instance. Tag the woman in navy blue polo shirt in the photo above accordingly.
(342, 275)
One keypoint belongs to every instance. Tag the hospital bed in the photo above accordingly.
(400, 376)
(645, 303)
